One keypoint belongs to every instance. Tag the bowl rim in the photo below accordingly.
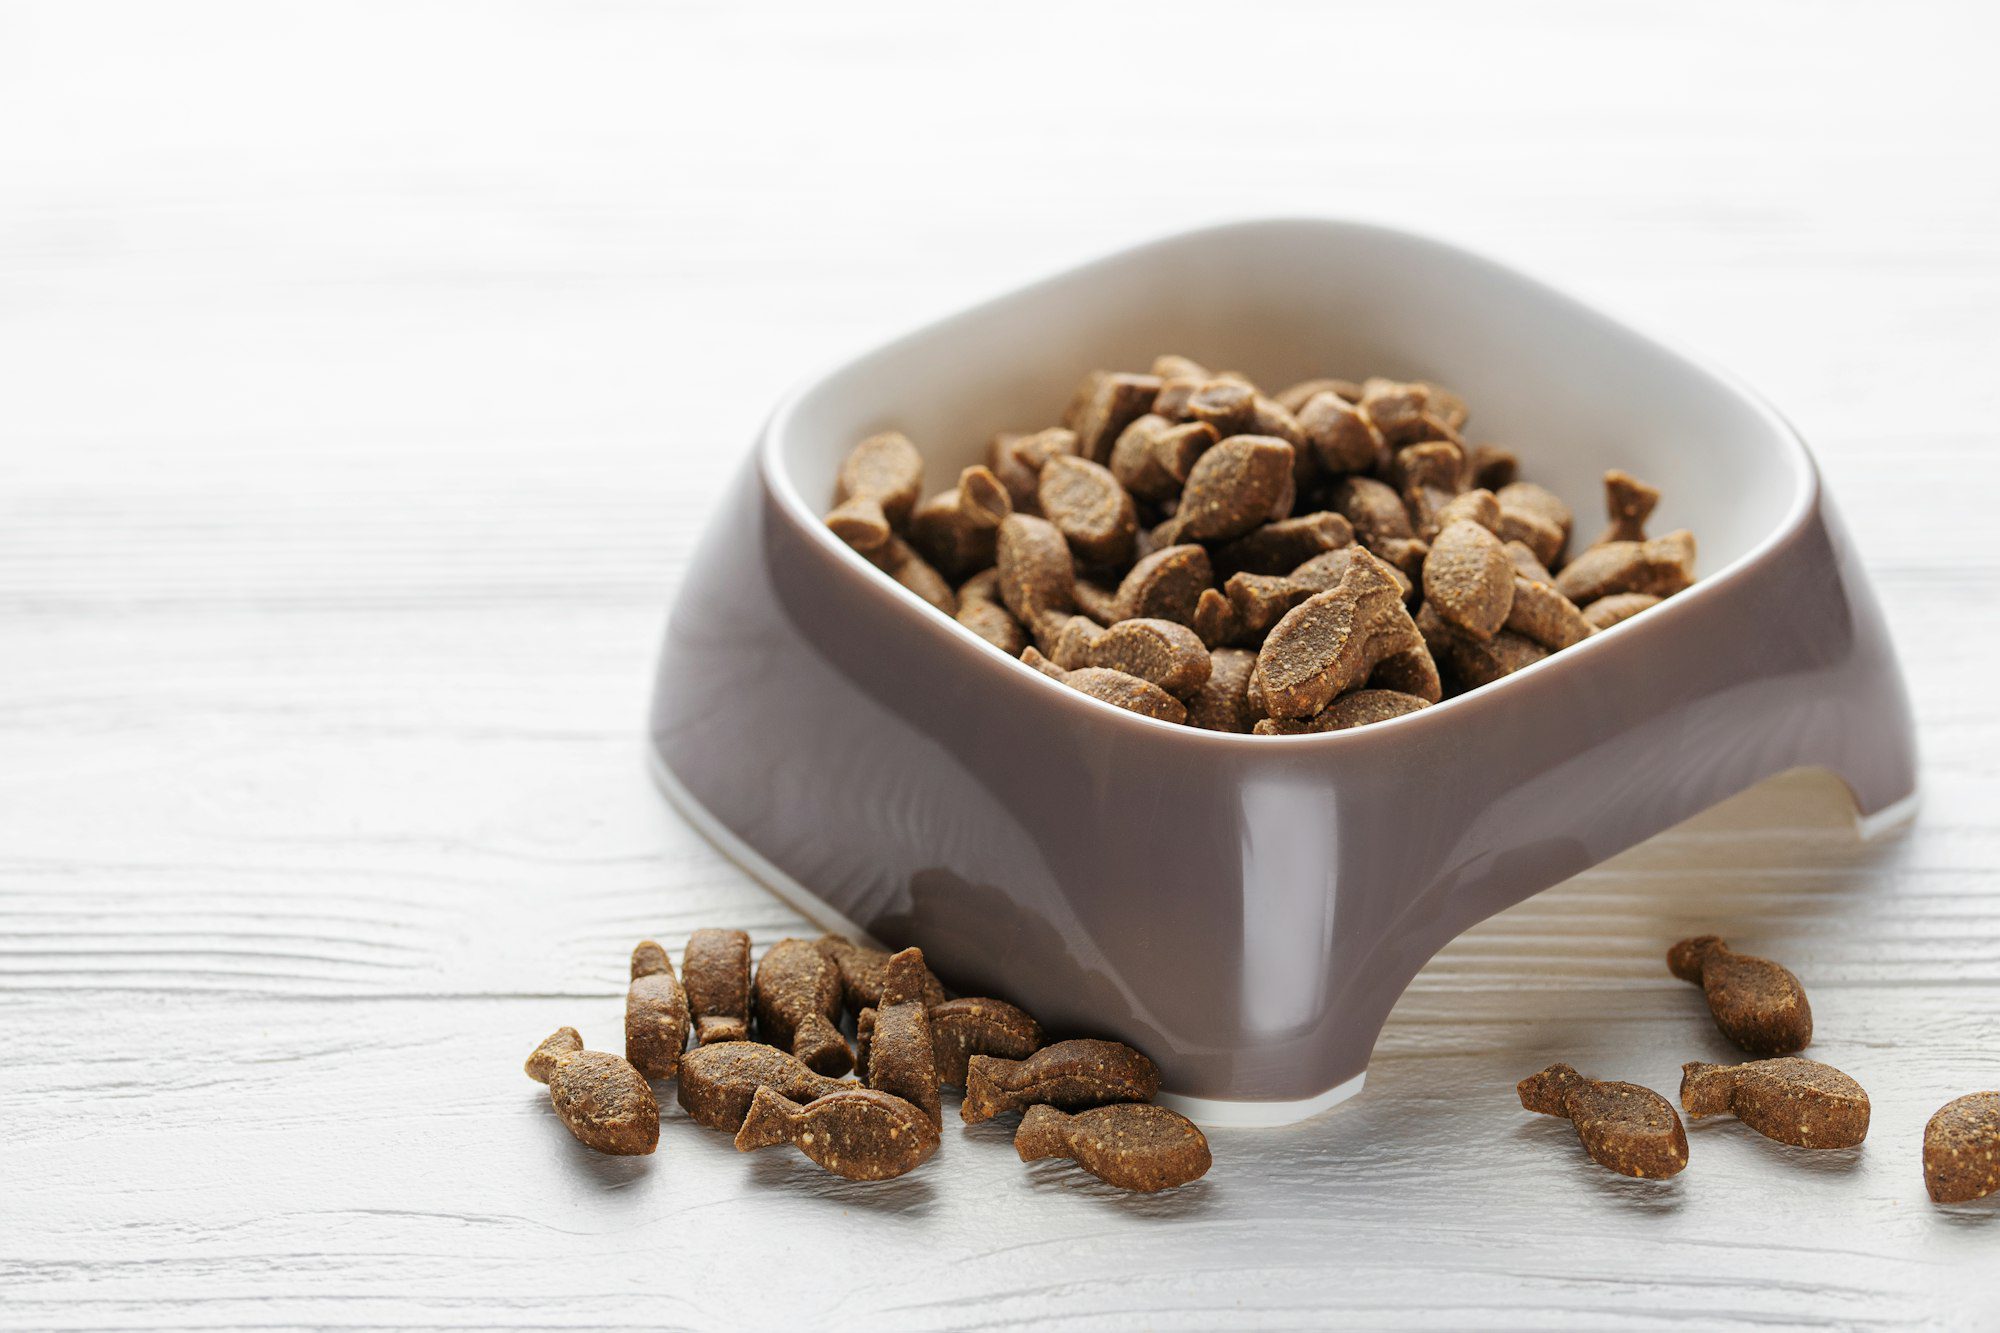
(777, 481)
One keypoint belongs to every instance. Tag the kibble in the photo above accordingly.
(975, 1025)
(798, 994)
(900, 1059)
(1632, 1130)
(717, 967)
(717, 1082)
(1962, 1149)
(857, 1133)
(1793, 1100)
(656, 1013)
(1132, 1146)
(1758, 1004)
(1069, 1075)
(600, 1098)
(877, 489)
(864, 972)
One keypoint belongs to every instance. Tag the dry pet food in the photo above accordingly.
(1630, 1129)
(1962, 1149)
(1132, 1146)
(717, 1082)
(798, 1003)
(865, 971)
(1342, 538)
(1069, 1075)
(855, 1132)
(717, 964)
(1796, 1101)
(656, 1014)
(900, 1059)
(1758, 1005)
(963, 1028)
(600, 1098)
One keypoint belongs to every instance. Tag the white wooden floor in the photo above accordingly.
(365, 374)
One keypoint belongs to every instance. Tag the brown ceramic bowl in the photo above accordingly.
(1246, 909)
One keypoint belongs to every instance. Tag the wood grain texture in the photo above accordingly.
(366, 373)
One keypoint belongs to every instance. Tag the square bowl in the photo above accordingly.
(1247, 909)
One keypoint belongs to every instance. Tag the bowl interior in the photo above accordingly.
(1573, 390)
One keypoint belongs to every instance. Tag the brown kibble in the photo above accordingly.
(1494, 468)
(718, 1081)
(981, 611)
(1154, 456)
(878, 485)
(1221, 704)
(717, 963)
(1358, 709)
(1796, 1101)
(1469, 579)
(1228, 406)
(956, 529)
(1618, 607)
(656, 1013)
(1259, 601)
(1662, 567)
(900, 561)
(1233, 488)
(1130, 1145)
(1431, 473)
(1527, 564)
(1166, 585)
(1096, 601)
(857, 1133)
(1335, 640)
(1541, 613)
(901, 1061)
(1375, 510)
(1397, 409)
(1471, 507)
(1091, 510)
(1171, 656)
(1475, 662)
(1116, 401)
(864, 972)
(1171, 365)
(1017, 460)
(601, 1099)
(1629, 502)
(1536, 517)
(798, 996)
(1446, 407)
(1120, 691)
(1295, 398)
(1215, 621)
(1962, 1149)
(1325, 570)
(1069, 1075)
(1278, 548)
(1069, 647)
(1340, 434)
(1632, 1130)
(1037, 576)
(1034, 658)
(963, 1028)
(1758, 1004)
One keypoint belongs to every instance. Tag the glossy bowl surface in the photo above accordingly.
(1247, 909)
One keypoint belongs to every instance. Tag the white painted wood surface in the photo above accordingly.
(366, 372)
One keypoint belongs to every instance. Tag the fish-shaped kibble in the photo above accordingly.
(599, 1097)
(900, 1060)
(1632, 1130)
(1962, 1149)
(1069, 1075)
(798, 1003)
(656, 1014)
(1130, 1145)
(864, 971)
(963, 1028)
(856, 1132)
(717, 1082)
(716, 970)
(1758, 1005)
(1793, 1100)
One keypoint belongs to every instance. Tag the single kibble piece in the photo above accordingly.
(864, 972)
(1625, 1127)
(1962, 1149)
(1171, 656)
(1037, 575)
(1376, 512)
(1222, 703)
(1469, 579)
(1477, 506)
(601, 1099)
(1397, 409)
(900, 561)
(976, 1025)
(1662, 566)
(717, 1081)
(1166, 585)
(717, 963)
(1091, 510)
(1229, 406)
(798, 1003)
(901, 1060)
(956, 529)
(856, 1132)
(1130, 693)
(1494, 468)
(1359, 709)
(1793, 1100)
(1536, 517)
(879, 484)
(1619, 607)
(1527, 566)
(1629, 502)
(1259, 601)
(1544, 615)
(1070, 1075)
(1336, 640)
(656, 1013)
(1341, 436)
(1758, 1004)
(1132, 1146)
(1215, 620)
(1232, 489)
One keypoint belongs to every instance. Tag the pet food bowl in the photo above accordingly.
(1247, 909)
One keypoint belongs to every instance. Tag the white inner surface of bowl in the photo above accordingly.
(1573, 391)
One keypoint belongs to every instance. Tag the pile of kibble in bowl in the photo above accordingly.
(1186, 547)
